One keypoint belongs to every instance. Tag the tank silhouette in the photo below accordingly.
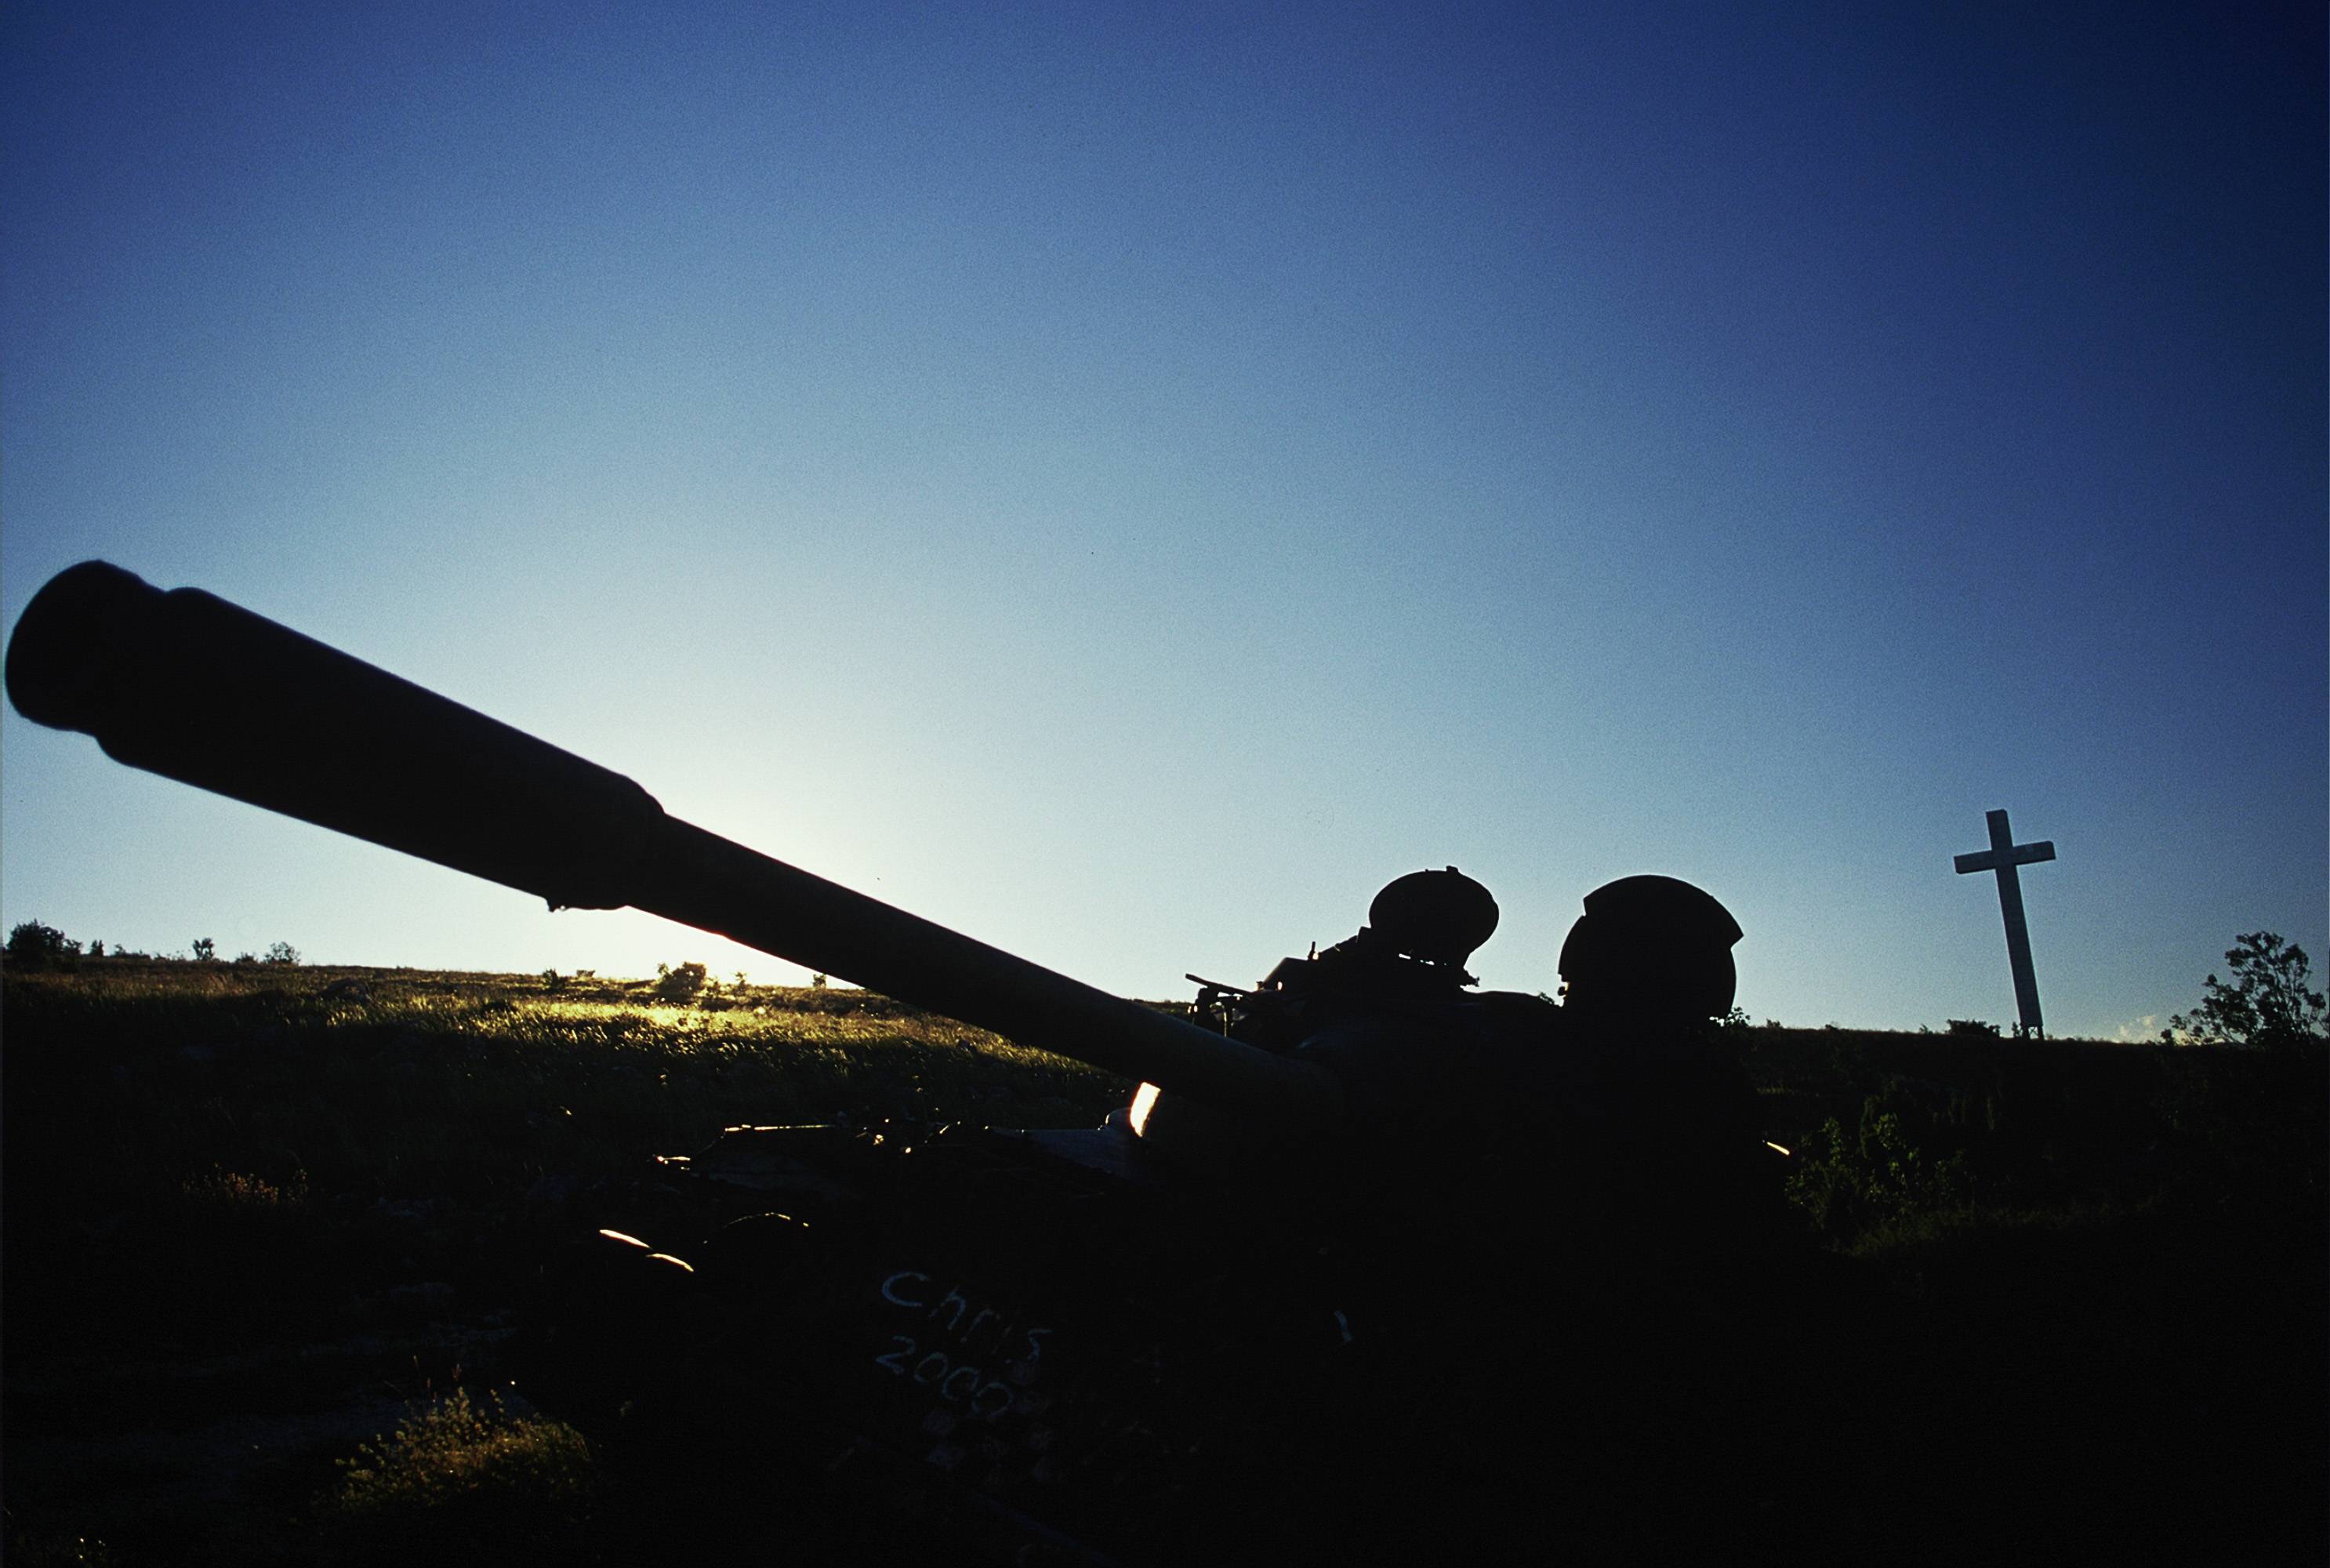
(1287, 1305)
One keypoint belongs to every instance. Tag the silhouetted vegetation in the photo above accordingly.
(300, 1200)
(2268, 1003)
(268, 1227)
(680, 985)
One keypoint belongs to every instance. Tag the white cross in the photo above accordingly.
(2003, 856)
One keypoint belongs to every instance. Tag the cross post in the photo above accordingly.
(2003, 856)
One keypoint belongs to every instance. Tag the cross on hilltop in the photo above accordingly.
(2003, 856)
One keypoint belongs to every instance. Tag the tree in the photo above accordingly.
(2267, 1002)
(44, 946)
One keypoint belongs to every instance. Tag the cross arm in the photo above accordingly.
(1996, 859)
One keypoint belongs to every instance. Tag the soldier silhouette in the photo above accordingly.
(1617, 1107)
(1660, 1123)
(1549, 1207)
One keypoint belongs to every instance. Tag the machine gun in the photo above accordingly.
(1041, 1345)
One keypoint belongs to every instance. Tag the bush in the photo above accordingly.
(283, 953)
(1879, 1173)
(456, 1448)
(37, 946)
(1973, 1026)
(679, 985)
(205, 951)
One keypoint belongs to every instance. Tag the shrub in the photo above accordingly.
(32, 944)
(1973, 1026)
(282, 953)
(1879, 1173)
(455, 1449)
(204, 950)
(679, 985)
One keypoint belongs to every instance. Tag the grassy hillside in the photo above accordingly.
(255, 1211)
(258, 1214)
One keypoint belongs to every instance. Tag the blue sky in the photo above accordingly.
(1127, 482)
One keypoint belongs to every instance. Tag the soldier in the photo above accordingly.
(1609, 1148)
(1624, 1076)
(1388, 1011)
(1526, 1209)
(1664, 1117)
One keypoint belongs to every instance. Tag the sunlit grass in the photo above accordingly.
(335, 1081)
(463, 1480)
(458, 1447)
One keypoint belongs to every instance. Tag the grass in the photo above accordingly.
(2116, 1254)
(253, 1193)
(464, 1478)
(266, 1225)
(454, 1448)
(1906, 1136)
(242, 1122)
(463, 1088)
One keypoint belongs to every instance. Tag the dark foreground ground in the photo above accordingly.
(256, 1218)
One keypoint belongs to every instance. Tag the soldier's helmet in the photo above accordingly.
(1437, 916)
(1655, 945)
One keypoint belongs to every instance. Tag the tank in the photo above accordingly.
(1285, 1306)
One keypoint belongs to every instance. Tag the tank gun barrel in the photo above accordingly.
(314, 733)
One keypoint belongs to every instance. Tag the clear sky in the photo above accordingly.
(1127, 481)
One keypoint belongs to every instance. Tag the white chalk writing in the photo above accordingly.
(957, 1339)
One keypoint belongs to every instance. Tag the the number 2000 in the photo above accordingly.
(987, 1397)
